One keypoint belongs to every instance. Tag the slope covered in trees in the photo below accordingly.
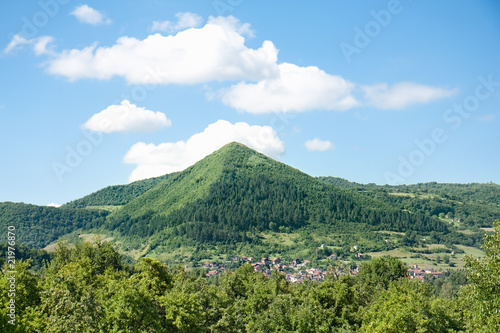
(237, 199)
(117, 195)
(472, 204)
(237, 190)
(38, 226)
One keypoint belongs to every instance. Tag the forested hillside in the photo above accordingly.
(468, 204)
(239, 201)
(117, 195)
(237, 192)
(38, 226)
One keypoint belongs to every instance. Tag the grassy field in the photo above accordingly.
(108, 208)
(432, 260)
(398, 194)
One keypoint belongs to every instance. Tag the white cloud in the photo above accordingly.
(232, 23)
(17, 42)
(213, 52)
(296, 89)
(88, 15)
(155, 160)
(39, 44)
(319, 145)
(126, 117)
(53, 205)
(403, 94)
(184, 21)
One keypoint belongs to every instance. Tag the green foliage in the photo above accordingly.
(27, 295)
(380, 272)
(87, 288)
(482, 295)
(409, 306)
(38, 258)
(448, 285)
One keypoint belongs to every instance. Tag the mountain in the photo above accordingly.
(237, 200)
(237, 191)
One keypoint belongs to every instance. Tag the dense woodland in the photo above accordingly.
(239, 193)
(88, 288)
(475, 204)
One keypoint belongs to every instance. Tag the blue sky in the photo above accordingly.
(98, 93)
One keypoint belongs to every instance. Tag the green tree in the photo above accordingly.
(25, 294)
(409, 306)
(482, 296)
(381, 271)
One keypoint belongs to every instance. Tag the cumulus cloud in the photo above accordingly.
(318, 145)
(155, 160)
(215, 52)
(53, 205)
(39, 44)
(126, 117)
(88, 15)
(184, 21)
(403, 94)
(295, 89)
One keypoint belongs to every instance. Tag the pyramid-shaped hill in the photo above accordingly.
(236, 189)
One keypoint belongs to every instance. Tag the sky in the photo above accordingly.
(98, 93)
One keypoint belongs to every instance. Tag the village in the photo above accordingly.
(298, 271)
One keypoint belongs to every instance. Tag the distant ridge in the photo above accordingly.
(117, 195)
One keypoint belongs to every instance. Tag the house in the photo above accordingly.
(437, 274)
(416, 273)
(265, 261)
(322, 246)
(280, 267)
(257, 268)
(295, 262)
(355, 247)
(276, 261)
(306, 262)
(212, 273)
(250, 259)
(333, 257)
(206, 265)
